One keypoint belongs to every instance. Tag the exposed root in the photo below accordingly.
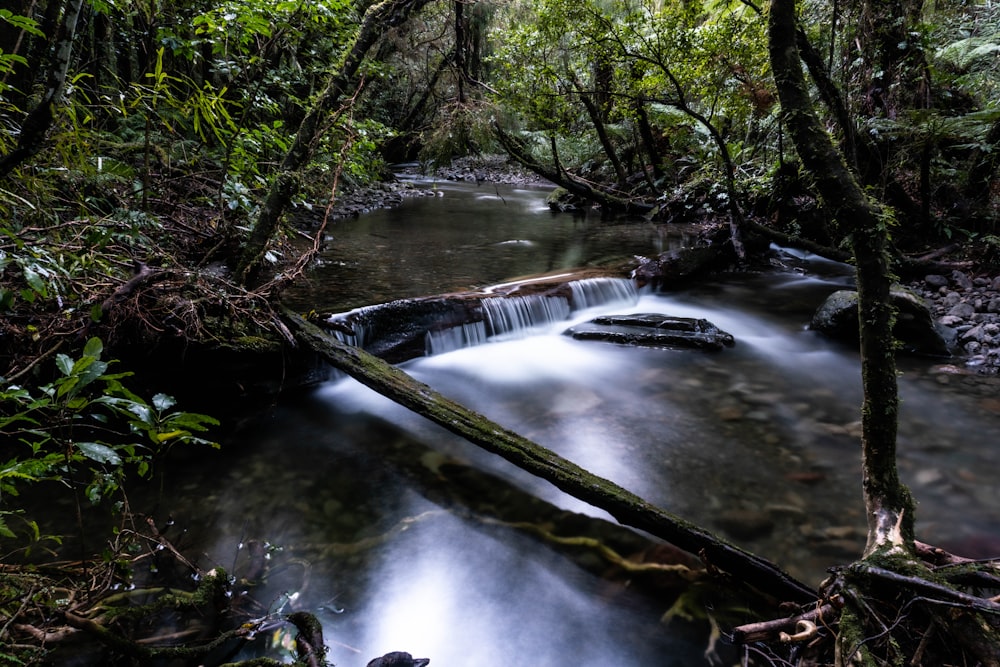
(944, 610)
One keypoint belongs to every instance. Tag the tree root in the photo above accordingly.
(873, 615)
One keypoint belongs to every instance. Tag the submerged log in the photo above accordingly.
(624, 506)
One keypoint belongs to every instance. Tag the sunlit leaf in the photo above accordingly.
(162, 402)
(64, 364)
(101, 453)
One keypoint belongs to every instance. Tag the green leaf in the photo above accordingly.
(67, 385)
(4, 530)
(93, 348)
(163, 402)
(101, 453)
(191, 421)
(64, 364)
(35, 280)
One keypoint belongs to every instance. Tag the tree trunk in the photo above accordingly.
(377, 21)
(34, 128)
(602, 131)
(889, 504)
(628, 508)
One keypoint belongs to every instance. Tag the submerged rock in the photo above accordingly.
(915, 328)
(653, 330)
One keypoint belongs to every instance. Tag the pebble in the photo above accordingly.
(969, 307)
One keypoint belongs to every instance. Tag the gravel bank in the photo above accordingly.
(968, 307)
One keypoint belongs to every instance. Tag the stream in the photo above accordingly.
(758, 442)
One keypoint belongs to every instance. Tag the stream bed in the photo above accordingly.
(758, 442)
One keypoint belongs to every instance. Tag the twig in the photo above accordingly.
(34, 362)
(771, 630)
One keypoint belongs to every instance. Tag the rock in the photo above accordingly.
(654, 330)
(562, 200)
(398, 659)
(935, 281)
(961, 279)
(744, 524)
(915, 328)
(962, 310)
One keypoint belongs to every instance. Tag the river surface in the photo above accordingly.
(758, 442)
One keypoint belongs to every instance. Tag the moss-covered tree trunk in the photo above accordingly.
(888, 502)
(965, 631)
(31, 135)
(626, 507)
(379, 18)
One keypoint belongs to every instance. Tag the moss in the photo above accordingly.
(254, 344)
(850, 640)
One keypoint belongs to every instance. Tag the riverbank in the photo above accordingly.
(966, 306)
(417, 180)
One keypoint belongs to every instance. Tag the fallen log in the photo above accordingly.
(623, 505)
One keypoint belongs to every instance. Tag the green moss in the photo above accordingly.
(255, 344)
(850, 641)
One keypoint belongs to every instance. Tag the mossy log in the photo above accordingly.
(624, 506)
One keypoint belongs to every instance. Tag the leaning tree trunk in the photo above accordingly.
(889, 504)
(626, 507)
(377, 21)
(31, 136)
(921, 605)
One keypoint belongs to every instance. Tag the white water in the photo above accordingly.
(699, 434)
(510, 317)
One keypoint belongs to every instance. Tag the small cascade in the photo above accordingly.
(518, 314)
(592, 292)
(350, 327)
(455, 338)
(408, 328)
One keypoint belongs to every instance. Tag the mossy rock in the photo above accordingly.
(915, 329)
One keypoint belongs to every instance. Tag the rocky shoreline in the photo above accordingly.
(492, 169)
(967, 310)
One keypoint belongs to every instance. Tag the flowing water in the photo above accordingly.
(758, 442)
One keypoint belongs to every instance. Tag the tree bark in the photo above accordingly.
(36, 125)
(602, 131)
(377, 21)
(888, 502)
(626, 507)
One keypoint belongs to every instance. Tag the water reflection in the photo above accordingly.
(481, 600)
(759, 442)
(466, 238)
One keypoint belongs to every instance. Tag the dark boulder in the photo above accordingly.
(653, 330)
(561, 200)
(915, 328)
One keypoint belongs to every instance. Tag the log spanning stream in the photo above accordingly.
(758, 442)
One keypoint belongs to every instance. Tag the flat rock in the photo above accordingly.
(654, 330)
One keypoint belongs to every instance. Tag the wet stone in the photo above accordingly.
(654, 330)
(744, 524)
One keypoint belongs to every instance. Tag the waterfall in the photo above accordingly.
(592, 292)
(469, 334)
(356, 321)
(451, 323)
(518, 314)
